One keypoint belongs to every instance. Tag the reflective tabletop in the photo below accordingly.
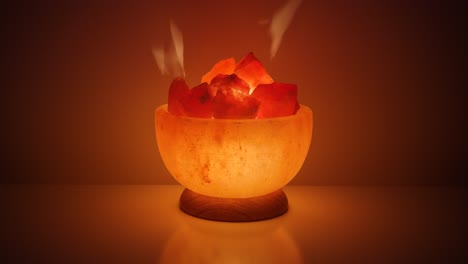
(142, 224)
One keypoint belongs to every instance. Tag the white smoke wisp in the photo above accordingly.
(178, 42)
(170, 60)
(280, 23)
(160, 57)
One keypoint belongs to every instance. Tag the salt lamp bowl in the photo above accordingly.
(233, 158)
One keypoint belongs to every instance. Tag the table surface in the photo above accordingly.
(142, 224)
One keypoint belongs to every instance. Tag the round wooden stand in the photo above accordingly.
(234, 209)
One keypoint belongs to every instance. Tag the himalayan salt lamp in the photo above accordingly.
(237, 162)
(231, 146)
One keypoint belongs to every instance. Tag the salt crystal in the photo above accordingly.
(251, 70)
(177, 94)
(276, 99)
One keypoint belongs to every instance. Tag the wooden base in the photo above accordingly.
(234, 209)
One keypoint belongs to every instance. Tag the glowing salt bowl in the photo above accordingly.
(233, 169)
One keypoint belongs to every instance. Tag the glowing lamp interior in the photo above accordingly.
(233, 158)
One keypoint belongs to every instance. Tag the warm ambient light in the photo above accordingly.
(233, 158)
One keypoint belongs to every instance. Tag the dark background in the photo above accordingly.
(384, 79)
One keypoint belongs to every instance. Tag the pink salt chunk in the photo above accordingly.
(229, 106)
(199, 103)
(232, 100)
(229, 83)
(225, 66)
(276, 99)
(251, 70)
(177, 95)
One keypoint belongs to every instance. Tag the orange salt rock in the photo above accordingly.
(251, 70)
(198, 103)
(229, 83)
(276, 99)
(232, 100)
(225, 66)
(177, 95)
(228, 106)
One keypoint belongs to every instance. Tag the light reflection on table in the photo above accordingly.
(142, 224)
(201, 241)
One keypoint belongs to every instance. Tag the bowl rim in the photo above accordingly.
(302, 109)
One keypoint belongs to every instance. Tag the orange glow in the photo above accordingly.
(212, 242)
(225, 66)
(251, 70)
(233, 158)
